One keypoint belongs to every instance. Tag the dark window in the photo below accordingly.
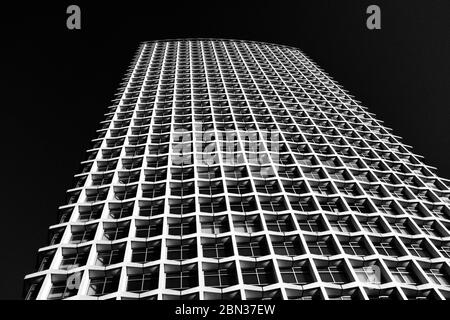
(143, 280)
(104, 284)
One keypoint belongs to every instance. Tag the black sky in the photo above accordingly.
(57, 84)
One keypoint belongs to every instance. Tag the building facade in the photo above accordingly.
(240, 170)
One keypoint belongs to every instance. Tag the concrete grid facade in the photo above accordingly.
(240, 170)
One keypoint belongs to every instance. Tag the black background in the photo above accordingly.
(57, 84)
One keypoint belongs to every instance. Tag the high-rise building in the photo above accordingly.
(240, 170)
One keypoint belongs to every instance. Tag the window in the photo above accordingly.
(212, 205)
(429, 229)
(322, 188)
(103, 166)
(387, 207)
(413, 209)
(182, 173)
(288, 172)
(308, 161)
(374, 191)
(64, 215)
(101, 179)
(116, 231)
(93, 195)
(387, 248)
(126, 177)
(45, 260)
(136, 151)
(332, 206)
(316, 174)
(444, 249)
(353, 163)
(423, 195)
(296, 187)
(210, 187)
(155, 175)
(130, 164)
(290, 247)
(367, 274)
(311, 223)
(404, 275)
(296, 274)
(362, 176)
(141, 280)
(215, 225)
(386, 178)
(342, 225)
(32, 288)
(208, 172)
(63, 287)
(106, 257)
(274, 204)
(156, 162)
(330, 162)
(356, 248)
(182, 206)
(181, 250)
(334, 274)
(153, 190)
(182, 277)
(418, 249)
(267, 186)
(256, 247)
(180, 227)
(88, 213)
(302, 204)
(322, 247)
(348, 189)
(361, 206)
(151, 208)
(181, 189)
(247, 224)
(217, 248)
(244, 204)
(56, 235)
(220, 276)
(104, 284)
(438, 276)
(260, 274)
(261, 171)
(279, 223)
(402, 226)
(339, 175)
(146, 252)
(82, 234)
(148, 228)
(73, 258)
(372, 226)
(119, 211)
(235, 172)
(440, 212)
(239, 187)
